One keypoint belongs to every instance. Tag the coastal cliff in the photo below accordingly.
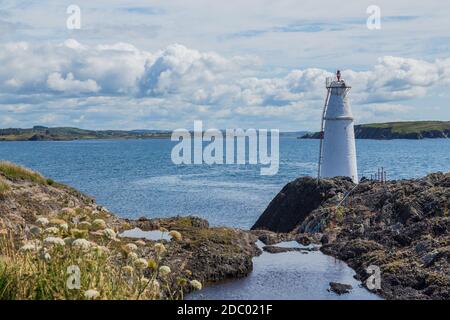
(50, 226)
(415, 130)
(403, 227)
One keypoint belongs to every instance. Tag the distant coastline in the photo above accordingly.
(414, 130)
(41, 133)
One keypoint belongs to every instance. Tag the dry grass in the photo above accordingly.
(15, 172)
(4, 186)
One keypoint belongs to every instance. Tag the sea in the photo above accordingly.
(137, 178)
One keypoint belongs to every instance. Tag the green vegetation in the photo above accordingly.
(15, 172)
(411, 126)
(40, 133)
(398, 130)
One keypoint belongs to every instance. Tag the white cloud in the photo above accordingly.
(183, 82)
(70, 85)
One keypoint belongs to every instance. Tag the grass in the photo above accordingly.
(50, 264)
(4, 186)
(15, 172)
(411, 126)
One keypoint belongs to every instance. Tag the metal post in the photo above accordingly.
(322, 131)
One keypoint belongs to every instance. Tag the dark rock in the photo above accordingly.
(276, 249)
(325, 239)
(340, 288)
(271, 238)
(297, 200)
(429, 258)
(304, 240)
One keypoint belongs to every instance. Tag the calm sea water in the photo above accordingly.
(137, 177)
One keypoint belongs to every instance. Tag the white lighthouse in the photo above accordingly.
(337, 144)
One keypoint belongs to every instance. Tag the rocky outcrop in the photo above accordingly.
(297, 200)
(403, 227)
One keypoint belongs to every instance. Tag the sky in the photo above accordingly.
(232, 64)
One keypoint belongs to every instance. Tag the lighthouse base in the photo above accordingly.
(339, 150)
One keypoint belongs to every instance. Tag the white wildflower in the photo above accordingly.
(127, 270)
(160, 248)
(141, 263)
(42, 221)
(99, 224)
(52, 230)
(196, 284)
(164, 270)
(30, 246)
(91, 294)
(82, 244)
(144, 281)
(54, 241)
(132, 256)
(109, 233)
(130, 247)
(154, 286)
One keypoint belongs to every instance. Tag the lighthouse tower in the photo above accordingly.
(337, 144)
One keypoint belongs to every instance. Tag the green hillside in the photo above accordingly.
(40, 133)
(398, 130)
(411, 126)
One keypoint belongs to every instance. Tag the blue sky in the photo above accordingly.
(259, 64)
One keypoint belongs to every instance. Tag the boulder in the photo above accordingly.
(297, 200)
(340, 288)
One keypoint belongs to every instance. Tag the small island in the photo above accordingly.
(41, 133)
(398, 130)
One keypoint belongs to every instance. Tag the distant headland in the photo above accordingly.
(398, 130)
(41, 133)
